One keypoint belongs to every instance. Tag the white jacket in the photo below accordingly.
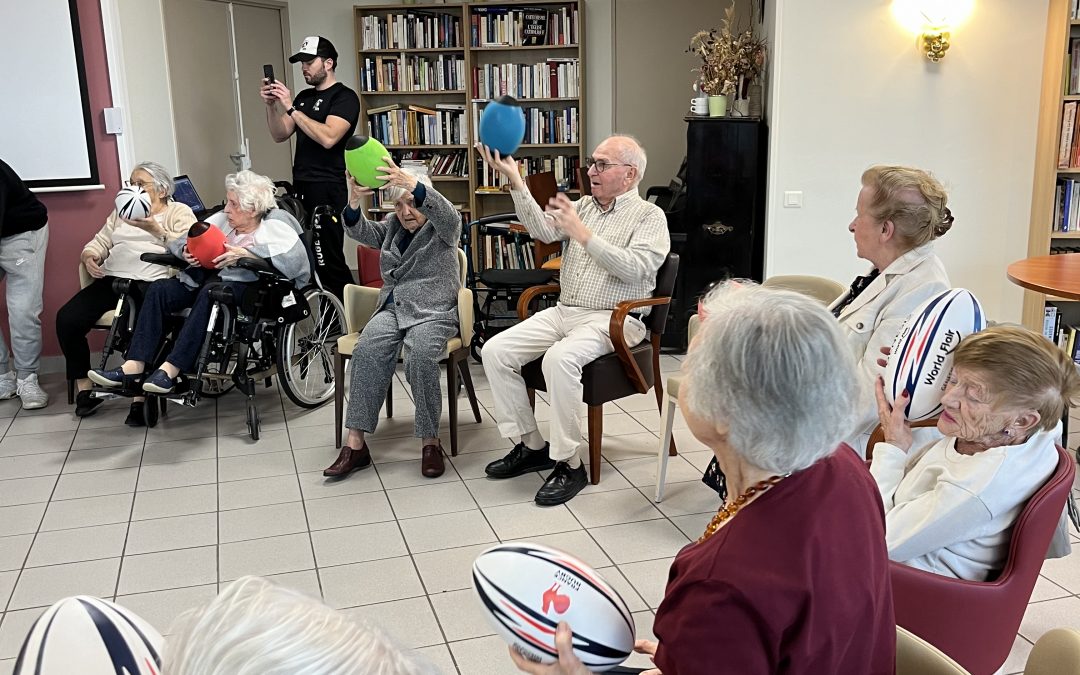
(876, 315)
(953, 514)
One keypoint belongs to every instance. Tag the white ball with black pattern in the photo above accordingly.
(133, 203)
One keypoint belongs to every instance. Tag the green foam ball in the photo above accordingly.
(363, 156)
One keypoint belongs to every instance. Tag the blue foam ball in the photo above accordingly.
(502, 125)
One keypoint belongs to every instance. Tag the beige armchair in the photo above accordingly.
(103, 323)
(360, 305)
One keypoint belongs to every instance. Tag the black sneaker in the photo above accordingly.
(562, 485)
(86, 404)
(519, 461)
(136, 417)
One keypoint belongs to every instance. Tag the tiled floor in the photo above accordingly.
(159, 519)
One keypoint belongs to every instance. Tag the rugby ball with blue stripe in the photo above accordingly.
(527, 589)
(921, 359)
(90, 636)
(133, 203)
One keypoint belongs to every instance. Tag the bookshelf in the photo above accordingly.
(1052, 229)
(452, 60)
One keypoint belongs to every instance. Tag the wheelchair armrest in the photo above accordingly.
(530, 296)
(259, 266)
(497, 218)
(166, 259)
(121, 286)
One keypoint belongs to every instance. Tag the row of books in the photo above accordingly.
(506, 252)
(1074, 9)
(445, 72)
(1072, 68)
(1069, 139)
(530, 26)
(565, 168)
(1067, 205)
(550, 79)
(544, 126)
(1064, 336)
(1061, 250)
(411, 30)
(398, 124)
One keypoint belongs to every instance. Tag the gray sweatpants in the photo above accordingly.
(22, 263)
(375, 358)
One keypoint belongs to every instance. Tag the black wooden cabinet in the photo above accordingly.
(720, 232)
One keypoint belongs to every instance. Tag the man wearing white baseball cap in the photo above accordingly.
(325, 116)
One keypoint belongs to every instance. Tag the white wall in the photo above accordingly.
(849, 90)
(148, 121)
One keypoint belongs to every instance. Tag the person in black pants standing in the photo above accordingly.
(325, 116)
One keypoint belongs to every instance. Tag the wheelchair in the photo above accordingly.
(272, 329)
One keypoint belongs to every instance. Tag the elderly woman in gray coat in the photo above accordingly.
(417, 307)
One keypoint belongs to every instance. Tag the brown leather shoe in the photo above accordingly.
(348, 461)
(431, 464)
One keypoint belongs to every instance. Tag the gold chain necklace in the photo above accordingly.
(728, 510)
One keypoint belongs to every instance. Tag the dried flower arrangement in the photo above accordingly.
(728, 58)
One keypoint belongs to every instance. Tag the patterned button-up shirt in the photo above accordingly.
(629, 243)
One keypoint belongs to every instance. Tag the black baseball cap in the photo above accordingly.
(314, 46)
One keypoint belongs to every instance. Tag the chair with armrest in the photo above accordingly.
(1055, 653)
(916, 656)
(368, 268)
(361, 302)
(626, 371)
(975, 622)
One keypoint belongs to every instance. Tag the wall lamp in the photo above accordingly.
(931, 21)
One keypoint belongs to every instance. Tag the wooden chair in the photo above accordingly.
(361, 305)
(626, 371)
(104, 322)
(975, 622)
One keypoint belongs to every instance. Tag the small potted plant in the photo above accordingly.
(729, 61)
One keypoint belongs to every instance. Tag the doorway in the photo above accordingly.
(215, 53)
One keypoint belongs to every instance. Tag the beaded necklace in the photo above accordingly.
(728, 510)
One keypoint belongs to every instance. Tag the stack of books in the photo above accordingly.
(411, 30)
(555, 78)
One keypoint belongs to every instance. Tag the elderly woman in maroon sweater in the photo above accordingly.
(791, 575)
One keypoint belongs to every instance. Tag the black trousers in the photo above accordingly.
(76, 318)
(336, 272)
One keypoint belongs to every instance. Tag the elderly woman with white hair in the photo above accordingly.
(252, 229)
(255, 627)
(417, 308)
(791, 574)
(952, 492)
(113, 254)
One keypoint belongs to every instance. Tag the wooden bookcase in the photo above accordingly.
(1044, 236)
(475, 56)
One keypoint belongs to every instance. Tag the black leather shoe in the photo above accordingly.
(86, 404)
(520, 461)
(136, 417)
(562, 485)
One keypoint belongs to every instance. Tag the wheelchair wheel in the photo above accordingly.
(216, 387)
(150, 411)
(253, 420)
(305, 363)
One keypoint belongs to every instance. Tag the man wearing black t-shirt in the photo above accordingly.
(325, 117)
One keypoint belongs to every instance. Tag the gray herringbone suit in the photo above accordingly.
(421, 313)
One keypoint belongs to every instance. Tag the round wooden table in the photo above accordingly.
(1053, 274)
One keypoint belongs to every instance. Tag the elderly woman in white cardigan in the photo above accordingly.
(417, 308)
(952, 493)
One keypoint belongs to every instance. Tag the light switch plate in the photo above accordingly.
(793, 199)
(114, 121)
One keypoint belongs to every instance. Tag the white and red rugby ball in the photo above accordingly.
(90, 636)
(527, 589)
(921, 359)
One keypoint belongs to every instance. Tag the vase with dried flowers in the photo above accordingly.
(730, 59)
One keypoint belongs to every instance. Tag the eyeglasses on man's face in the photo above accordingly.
(601, 165)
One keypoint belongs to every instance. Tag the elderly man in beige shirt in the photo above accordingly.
(617, 242)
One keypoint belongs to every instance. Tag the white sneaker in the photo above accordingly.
(31, 393)
(7, 385)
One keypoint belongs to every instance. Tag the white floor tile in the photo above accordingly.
(168, 569)
(358, 543)
(108, 438)
(96, 483)
(86, 543)
(483, 656)
(493, 492)
(396, 475)
(23, 519)
(161, 608)
(13, 630)
(176, 532)
(13, 552)
(171, 452)
(382, 581)
(32, 444)
(242, 494)
(611, 508)
(1043, 616)
(256, 466)
(447, 531)
(98, 459)
(275, 555)
(518, 521)
(634, 542)
(27, 466)
(259, 522)
(315, 486)
(649, 579)
(449, 569)
(1021, 649)
(438, 657)
(180, 501)
(461, 615)
(429, 500)
(577, 543)
(180, 474)
(26, 490)
(410, 622)
(348, 510)
(42, 586)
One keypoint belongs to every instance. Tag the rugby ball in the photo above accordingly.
(921, 359)
(89, 636)
(527, 589)
(133, 203)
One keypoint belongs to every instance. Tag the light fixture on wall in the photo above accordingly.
(931, 21)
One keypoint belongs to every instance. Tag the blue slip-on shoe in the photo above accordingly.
(159, 383)
(107, 378)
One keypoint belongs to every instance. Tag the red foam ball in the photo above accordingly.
(205, 242)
